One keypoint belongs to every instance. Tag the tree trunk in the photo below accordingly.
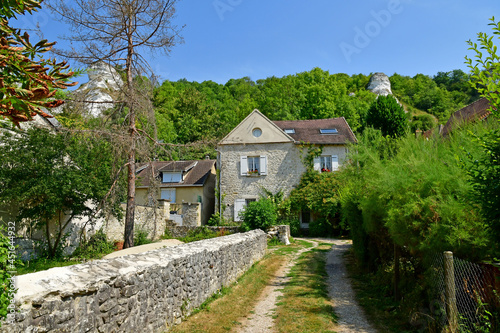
(128, 237)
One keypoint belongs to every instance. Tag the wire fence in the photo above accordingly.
(467, 294)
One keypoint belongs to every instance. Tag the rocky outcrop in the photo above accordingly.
(103, 86)
(379, 84)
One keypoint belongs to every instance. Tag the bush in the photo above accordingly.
(96, 246)
(141, 238)
(260, 214)
(200, 234)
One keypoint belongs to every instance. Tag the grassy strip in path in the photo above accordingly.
(305, 305)
(222, 312)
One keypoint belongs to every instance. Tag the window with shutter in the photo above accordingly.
(253, 165)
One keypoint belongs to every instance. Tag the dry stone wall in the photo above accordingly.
(148, 292)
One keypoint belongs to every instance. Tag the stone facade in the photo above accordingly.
(148, 219)
(147, 292)
(284, 169)
(191, 214)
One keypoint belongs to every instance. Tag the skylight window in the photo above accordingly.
(290, 131)
(328, 131)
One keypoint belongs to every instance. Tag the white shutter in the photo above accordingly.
(317, 164)
(239, 204)
(335, 162)
(243, 166)
(263, 165)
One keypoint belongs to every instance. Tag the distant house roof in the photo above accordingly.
(197, 172)
(311, 130)
(478, 110)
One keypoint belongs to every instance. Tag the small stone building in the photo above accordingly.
(259, 153)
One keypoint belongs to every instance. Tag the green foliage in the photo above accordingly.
(199, 234)
(141, 237)
(485, 170)
(419, 198)
(388, 116)
(47, 175)
(96, 246)
(260, 214)
(485, 69)
(319, 194)
(423, 122)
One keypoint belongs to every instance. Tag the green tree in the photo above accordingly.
(387, 115)
(260, 214)
(485, 171)
(53, 179)
(28, 81)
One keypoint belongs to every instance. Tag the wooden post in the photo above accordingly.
(450, 296)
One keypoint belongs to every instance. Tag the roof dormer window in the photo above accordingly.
(172, 177)
(290, 130)
(328, 131)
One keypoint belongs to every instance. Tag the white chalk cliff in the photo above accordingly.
(379, 84)
(103, 86)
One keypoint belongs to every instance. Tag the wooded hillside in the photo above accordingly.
(190, 111)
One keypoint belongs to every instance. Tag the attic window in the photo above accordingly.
(328, 131)
(290, 131)
(257, 132)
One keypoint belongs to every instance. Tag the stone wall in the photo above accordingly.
(281, 232)
(146, 218)
(147, 292)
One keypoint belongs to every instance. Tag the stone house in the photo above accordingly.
(187, 185)
(260, 153)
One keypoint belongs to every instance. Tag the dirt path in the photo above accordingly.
(262, 320)
(351, 317)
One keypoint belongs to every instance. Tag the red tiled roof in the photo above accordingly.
(197, 172)
(309, 130)
(472, 112)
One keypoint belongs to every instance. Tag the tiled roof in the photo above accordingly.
(197, 172)
(309, 130)
(472, 112)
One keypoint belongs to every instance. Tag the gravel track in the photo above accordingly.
(351, 318)
(261, 321)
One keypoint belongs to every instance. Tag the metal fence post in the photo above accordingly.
(451, 300)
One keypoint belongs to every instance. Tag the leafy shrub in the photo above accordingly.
(141, 237)
(387, 115)
(199, 234)
(260, 214)
(96, 246)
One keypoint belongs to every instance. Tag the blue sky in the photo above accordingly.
(226, 39)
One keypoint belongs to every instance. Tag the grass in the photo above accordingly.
(43, 264)
(380, 308)
(223, 312)
(305, 305)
